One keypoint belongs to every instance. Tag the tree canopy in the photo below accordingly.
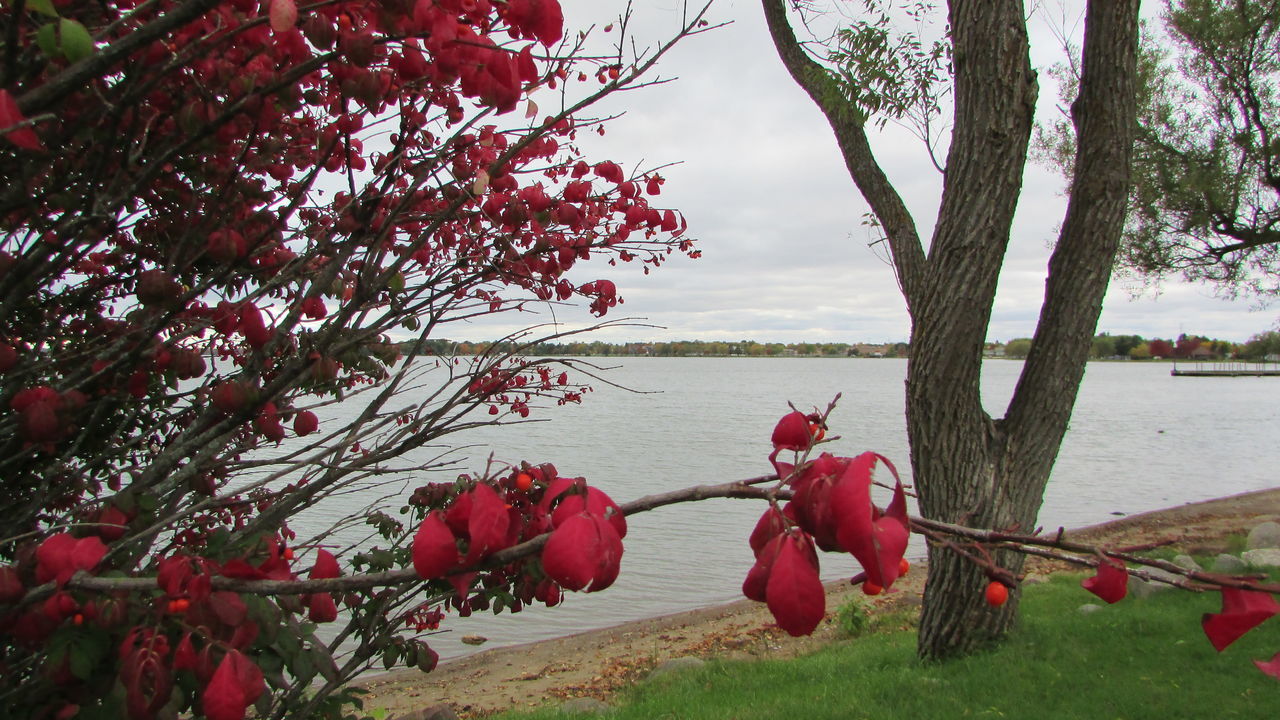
(1205, 199)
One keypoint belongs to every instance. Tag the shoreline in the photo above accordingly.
(597, 663)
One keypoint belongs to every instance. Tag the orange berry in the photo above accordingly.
(817, 432)
(288, 553)
(179, 605)
(997, 593)
(903, 567)
(870, 588)
(524, 482)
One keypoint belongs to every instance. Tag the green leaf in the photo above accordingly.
(81, 662)
(77, 44)
(47, 39)
(44, 7)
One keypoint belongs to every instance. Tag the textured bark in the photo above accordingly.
(970, 468)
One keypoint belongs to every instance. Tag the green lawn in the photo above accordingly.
(1141, 658)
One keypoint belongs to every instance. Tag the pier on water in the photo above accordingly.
(1226, 369)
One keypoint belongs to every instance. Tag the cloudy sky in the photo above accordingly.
(785, 257)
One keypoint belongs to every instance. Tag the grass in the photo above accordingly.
(1141, 658)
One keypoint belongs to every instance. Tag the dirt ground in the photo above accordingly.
(599, 662)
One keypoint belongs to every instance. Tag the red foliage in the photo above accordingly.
(235, 685)
(1242, 610)
(1111, 583)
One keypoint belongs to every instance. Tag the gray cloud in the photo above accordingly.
(767, 194)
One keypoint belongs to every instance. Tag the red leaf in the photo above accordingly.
(435, 551)
(60, 556)
(792, 432)
(1111, 583)
(878, 543)
(567, 557)
(10, 115)
(549, 23)
(1242, 610)
(1270, 667)
(595, 502)
(252, 327)
(305, 422)
(770, 525)
(487, 524)
(11, 589)
(584, 552)
(756, 584)
(795, 595)
(235, 685)
(609, 562)
(321, 608)
(228, 607)
(184, 656)
(326, 566)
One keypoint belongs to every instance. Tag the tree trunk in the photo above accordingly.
(967, 467)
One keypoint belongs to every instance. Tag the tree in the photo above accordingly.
(968, 467)
(1104, 346)
(214, 217)
(1018, 347)
(1205, 200)
(1125, 343)
(1262, 345)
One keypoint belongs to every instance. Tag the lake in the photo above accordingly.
(1139, 440)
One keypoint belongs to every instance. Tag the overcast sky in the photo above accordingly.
(778, 220)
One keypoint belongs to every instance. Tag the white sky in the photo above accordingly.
(761, 182)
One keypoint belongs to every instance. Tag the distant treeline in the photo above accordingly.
(1260, 347)
(1105, 346)
(679, 348)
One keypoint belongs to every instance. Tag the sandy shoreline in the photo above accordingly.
(596, 663)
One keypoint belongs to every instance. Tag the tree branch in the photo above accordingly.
(899, 227)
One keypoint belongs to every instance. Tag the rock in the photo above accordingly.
(1228, 564)
(474, 639)
(584, 706)
(1264, 535)
(1186, 562)
(1088, 608)
(1140, 588)
(675, 665)
(1262, 557)
(440, 711)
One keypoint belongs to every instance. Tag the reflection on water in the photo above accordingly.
(1139, 440)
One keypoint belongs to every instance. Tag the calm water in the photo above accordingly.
(1139, 440)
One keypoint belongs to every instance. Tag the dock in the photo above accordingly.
(1227, 370)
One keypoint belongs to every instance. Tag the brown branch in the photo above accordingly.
(900, 229)
(84, 581)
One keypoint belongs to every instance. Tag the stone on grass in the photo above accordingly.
(1088, 608)
(439, 711)
(1264, 535)
(1262, 557)
(676, 664)
(584, 706)
(1186, 562)
(1144, 588)
(1228, 564)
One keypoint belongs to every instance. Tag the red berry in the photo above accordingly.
(997, 593)
(870, 588)
(524, 482)
(903, 567)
